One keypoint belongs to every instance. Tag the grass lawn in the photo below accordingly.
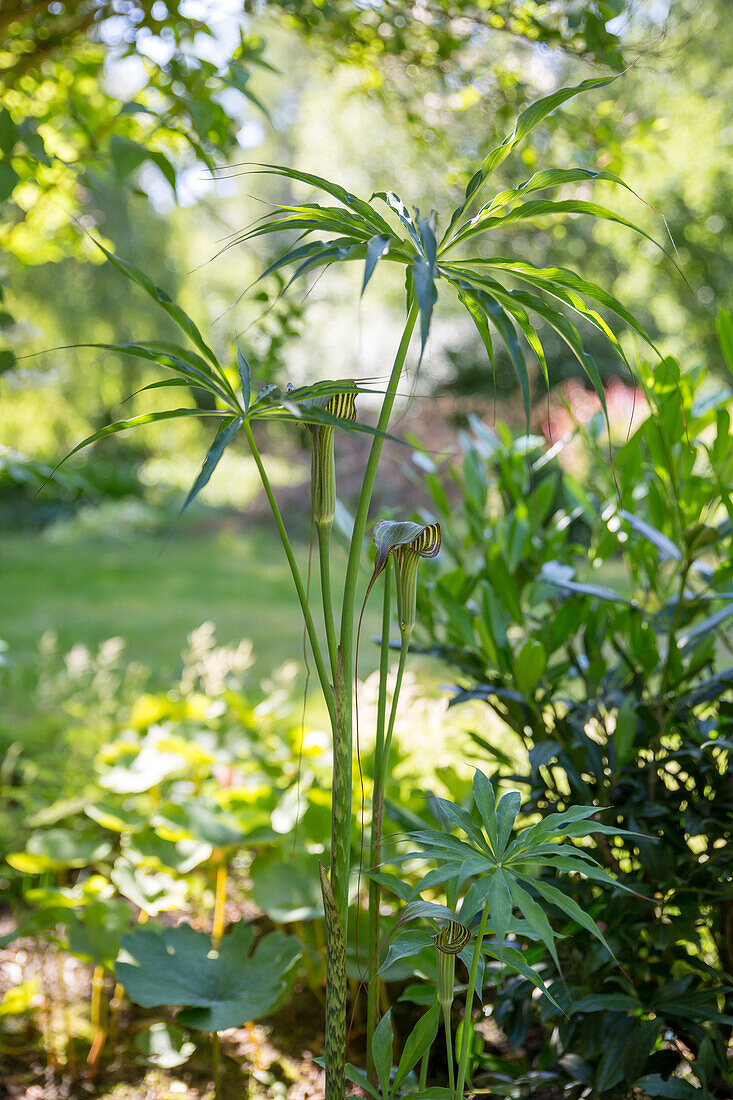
(153, 595)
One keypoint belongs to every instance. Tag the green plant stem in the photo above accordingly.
(324, 558)
(449, 1048)
(465, 1038)
(342, 726)
(216, 1064)
(365, 496)
(323, 677)
(425, 1062)
(374, 889)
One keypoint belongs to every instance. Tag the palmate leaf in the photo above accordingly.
(507, 874)
(361, 232)
(176, 966)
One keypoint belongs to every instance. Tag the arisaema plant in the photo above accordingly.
(509, 300)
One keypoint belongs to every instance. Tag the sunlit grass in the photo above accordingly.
(152, 595)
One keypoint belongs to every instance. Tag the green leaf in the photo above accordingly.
(527, 120)
(176, 966)
(540, 208)
(478, 315)
(500, 907)
(463, 820)
(152, 893)
(406, 945)
(485, 799)
(244, 378)
(94, 933)
(515, 960)
(531, 663)
(8, 179)
(382, 1051)
(724, 326)
(506, 814)
(173, 310)
(419, 1041)
(508, 334)
(135, 422)
(286, 891)
(423, 281)
(555, 279)
(196, 820)
(368, 213)
(674, 1089)
(126, 155)
(357, 1077)
(8, 132)
(377, 247)
(535, 917)
(223, 438)
(58, 849)
(569, 907)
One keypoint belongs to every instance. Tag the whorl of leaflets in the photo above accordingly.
(408, 542)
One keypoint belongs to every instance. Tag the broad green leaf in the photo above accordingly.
(8, 179)
(95, 931)
(195, 819)
(514, 960)
(176, 966)
(286, 891)
(568, 906)
(506, 814)
(462, 820)
(405, 945)
(500, 907)
(534, 915)
(150, 850)
(418, 1042)
(57, 849)
(531, 663)
(223, 438)
(152, 893)
(382, 1051)
(485, 799)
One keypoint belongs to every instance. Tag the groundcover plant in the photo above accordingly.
(489, 875)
